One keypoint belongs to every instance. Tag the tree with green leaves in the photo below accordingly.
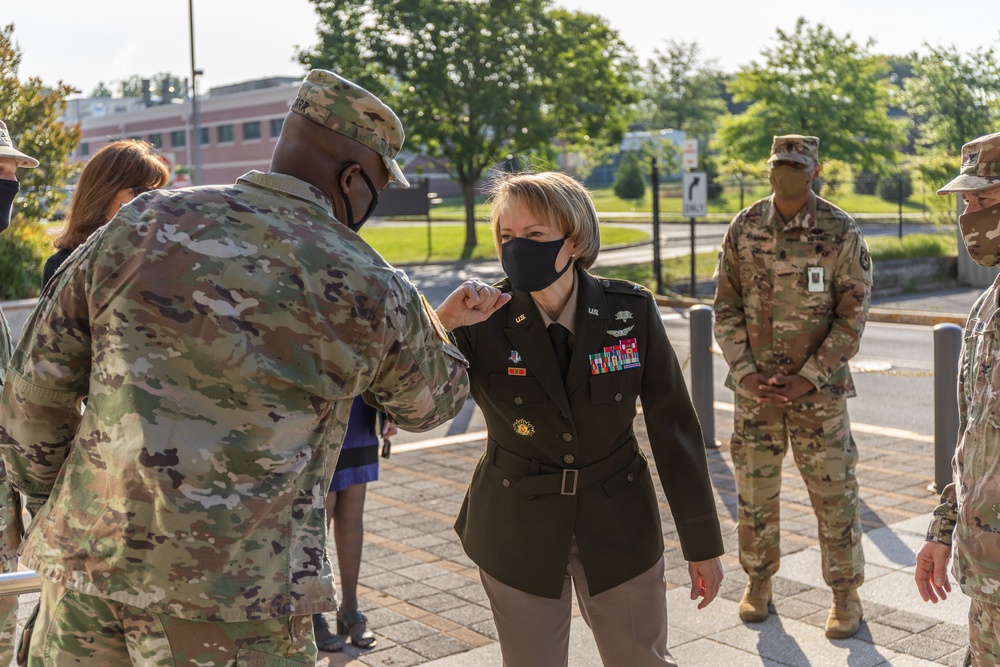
(629, 182)
(475, 82)
(815, 82)
(162, 86)
(31, 110)
(681, 91)
(101, 90)
(953, 97)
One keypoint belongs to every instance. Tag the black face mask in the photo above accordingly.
(351, 224)
(530, 265)
(8, 191)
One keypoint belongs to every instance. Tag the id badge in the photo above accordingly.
(814, 279)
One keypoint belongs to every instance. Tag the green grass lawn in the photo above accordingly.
(727, 204)
(403, 244)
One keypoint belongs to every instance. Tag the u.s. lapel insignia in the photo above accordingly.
(593, 311)
(524, 428)
(514, 357)
(520, 318)
(618, 333)
(623, 315)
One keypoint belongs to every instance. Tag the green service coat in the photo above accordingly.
(518, 515)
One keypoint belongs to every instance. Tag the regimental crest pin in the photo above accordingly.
(593, 311)
(524, 428)
(520, 318)
(623, 315)
(514, 357)
(618, 333)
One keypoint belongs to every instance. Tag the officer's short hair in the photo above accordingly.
(554, 197)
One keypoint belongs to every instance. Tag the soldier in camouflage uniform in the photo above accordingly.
(218, 335)
(794, 283)
(10, 502)
(968, 519)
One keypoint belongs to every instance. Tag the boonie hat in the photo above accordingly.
(980, 166)
(345, 107)
(795, 147)
(7, 149)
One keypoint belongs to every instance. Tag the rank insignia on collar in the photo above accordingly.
(514, 357)
(593, 311)
(520, 318)
(524, 428)
(623, 315)
(618, 333)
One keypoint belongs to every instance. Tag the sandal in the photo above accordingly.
(355, 624)
(325, 639)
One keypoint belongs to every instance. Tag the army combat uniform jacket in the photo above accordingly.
(218, 335)
(793, 296)
(10, 503)
(969, 512)
(562, 458)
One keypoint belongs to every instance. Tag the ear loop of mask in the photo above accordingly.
(355, 226)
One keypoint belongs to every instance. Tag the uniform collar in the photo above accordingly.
(567, 317)
(288, 185)
(804, 219)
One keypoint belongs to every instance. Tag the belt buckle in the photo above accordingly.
(571, 484)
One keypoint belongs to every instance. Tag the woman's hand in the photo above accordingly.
(706, 578)
(473, 302)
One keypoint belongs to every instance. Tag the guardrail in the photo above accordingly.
(19, 583)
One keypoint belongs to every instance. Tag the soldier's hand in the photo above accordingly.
(473, 302)
(754, 382)
(932, 571)
(783, 389)
(706, 578)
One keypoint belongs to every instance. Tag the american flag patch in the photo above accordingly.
(615, 358)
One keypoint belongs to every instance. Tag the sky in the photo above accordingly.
(83, 43)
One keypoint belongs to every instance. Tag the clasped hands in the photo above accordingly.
(776, 390)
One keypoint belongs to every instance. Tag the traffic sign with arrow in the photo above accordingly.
(695, 194)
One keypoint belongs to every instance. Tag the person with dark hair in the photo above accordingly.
(114, 176)
(218, 335)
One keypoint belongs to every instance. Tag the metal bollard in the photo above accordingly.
(702, 377)
(947, 349)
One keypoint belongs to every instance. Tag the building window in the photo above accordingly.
(156, 139)
(251, 130)
(276, 126)
(84, 149)
(203, 139)
(225, 134)
(178, 139)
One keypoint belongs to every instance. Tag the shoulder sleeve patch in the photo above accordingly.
(435, 322)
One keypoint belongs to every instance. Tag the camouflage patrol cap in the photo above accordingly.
(7, 149)
(795, 147)
(980, 166)
(345, 107)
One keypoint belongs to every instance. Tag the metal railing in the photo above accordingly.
(19, 583)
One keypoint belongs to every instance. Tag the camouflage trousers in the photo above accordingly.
(8, 619)
(820, 437)
(74, 629)
(984, 634)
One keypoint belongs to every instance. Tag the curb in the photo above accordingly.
(883, 315)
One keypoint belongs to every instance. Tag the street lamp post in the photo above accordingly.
(196, 131)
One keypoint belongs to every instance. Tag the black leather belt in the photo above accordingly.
(536, 478)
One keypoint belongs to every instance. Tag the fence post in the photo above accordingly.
(899, 198)
(702, 366)
(947, 348)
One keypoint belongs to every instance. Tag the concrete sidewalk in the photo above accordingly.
(426, 605)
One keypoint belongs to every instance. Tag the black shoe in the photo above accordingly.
(325, 639)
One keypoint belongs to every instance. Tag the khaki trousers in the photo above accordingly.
(629, 621)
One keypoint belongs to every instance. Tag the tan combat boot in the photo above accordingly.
(845, 615)
(756, 597)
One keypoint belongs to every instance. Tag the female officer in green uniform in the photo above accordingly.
(563, 492)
